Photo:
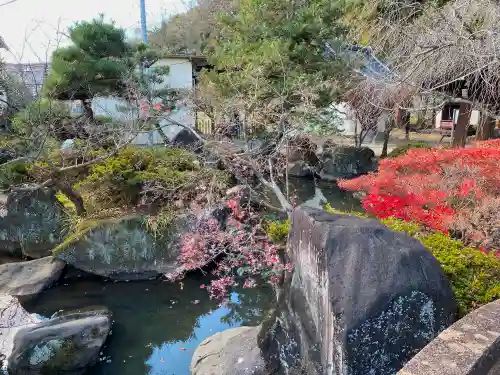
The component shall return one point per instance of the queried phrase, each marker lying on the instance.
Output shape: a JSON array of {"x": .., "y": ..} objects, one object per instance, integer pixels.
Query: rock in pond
[
  {"x": 231, "y": 352},
  {"x": 31, "y": 221},
  {"x": 29, "y": 278},
  {"x": 13, "y": 317},
  {"x": 126, "y": 249},
  {"x": 361, "y": 300},
  {"x": 67, "y": 344},
  {"x": 346, "y": 162}
]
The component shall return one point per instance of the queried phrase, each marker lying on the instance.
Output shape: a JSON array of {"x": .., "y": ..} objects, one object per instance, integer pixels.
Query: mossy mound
[{"x": 402, "y": 150}]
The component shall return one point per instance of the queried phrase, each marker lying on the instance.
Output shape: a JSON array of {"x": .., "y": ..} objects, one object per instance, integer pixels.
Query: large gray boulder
[
  {"x": 124, "y": 250},
  {"x": 231, "y": 352},
  {"x": 127, "y": 249},
  {"x": 67, "y": 344},
  {"x": 344, "y": 162},
  {"x": 27, "y": 279},
  {"x": 31, "y": 221},
  {"x": 361, "y": 300},
  {"x": 13, "y": 317}
]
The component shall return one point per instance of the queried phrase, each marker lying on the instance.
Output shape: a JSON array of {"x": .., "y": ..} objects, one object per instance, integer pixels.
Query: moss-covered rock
[
  {"x": 31, "y": 221},
  {"x": 129, "y": 248},
  {"x": 346, "y": 162},
  {"x": 66, "y": 344},
  {"x": 123, "y": 248}
]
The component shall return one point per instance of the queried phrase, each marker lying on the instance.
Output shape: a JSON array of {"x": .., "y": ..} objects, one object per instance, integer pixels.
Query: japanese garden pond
[{"x": 157, "y": 324}]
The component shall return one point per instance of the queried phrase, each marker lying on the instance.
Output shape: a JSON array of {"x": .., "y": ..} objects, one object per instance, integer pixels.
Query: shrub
[
  {"x": 242, "y": 249},
  {"x": 13, "y": 174},
  {"x": 435, "y": 188},
  {"x": 151, "y": 175},
  {"x": 474, "y": 275},
  {"x": 402, "y": 150},
  {"x": 277, "y": 230}
]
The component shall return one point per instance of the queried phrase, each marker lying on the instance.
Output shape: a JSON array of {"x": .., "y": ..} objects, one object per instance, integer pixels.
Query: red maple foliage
[
  {"x": 437, "y": 188},
  {"x": 242, "y": 251}
]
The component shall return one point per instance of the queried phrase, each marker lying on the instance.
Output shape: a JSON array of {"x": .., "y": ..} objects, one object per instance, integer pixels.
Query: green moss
[
  {"x": 78, "y": 234},
  {"x": 398, "y": 151},
  {"x": 159, "y": 223},
  {"x": 120, "y": 178},
  {"x": 81, "y": 227},
  {"x": 13, "y": 174},
  {"x": 65, "y": 201},
  {"x": 277, "y": 230},
  {"x": 402, "y": 226},
  {"x": 328, "y": 208}
]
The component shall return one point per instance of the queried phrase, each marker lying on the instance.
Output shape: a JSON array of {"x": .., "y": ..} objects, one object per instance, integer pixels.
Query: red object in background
[{"x": 446, "y": 124}]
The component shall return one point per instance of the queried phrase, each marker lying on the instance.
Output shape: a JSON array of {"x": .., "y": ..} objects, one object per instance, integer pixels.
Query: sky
[{"x": 34, "y": 28}]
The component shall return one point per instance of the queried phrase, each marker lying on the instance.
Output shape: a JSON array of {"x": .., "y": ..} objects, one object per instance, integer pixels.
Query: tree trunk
[
  {"x": 485, "y": 128},
  {"x": 387, "y": 133},
  {"x": 73, "y": 196},
  {"x": 87, "y": 109},
  {"x": 460, "y": 133}
]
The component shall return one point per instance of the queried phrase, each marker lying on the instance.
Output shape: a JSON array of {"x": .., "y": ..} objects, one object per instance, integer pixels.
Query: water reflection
[
  {"x": 315, "y": 193},
  {"x": 158, "y": 325}
]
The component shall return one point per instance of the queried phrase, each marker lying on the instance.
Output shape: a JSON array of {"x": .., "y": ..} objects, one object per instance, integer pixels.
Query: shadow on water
[{"x": 157, "y": 325}]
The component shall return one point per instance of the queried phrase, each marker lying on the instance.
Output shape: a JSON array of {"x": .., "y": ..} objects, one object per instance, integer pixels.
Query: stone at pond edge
[
  {"x": 31, "y": 221},
  {"x": 346, "y": 162},
  {"x": 13, "y": 317},
  {"x": 362, "y": 299},
  {"x": 231, "y": 352},
  {"x": 29, "y": 278},
  {"x": 67, "y": 344},
  {"x": 125, "y": 249}
]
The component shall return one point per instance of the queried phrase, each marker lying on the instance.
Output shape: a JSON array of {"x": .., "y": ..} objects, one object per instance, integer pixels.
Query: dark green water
[{"x": 158, "y": 325}]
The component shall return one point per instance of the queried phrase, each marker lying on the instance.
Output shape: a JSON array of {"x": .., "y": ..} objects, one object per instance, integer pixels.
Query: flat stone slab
[{"x": 29, "y": 278}]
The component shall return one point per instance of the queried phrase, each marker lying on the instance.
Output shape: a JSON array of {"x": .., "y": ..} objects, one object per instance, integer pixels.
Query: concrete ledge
[{"x": 471, "y": 346}]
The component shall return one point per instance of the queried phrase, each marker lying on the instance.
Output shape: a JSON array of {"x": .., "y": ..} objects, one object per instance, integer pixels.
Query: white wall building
[
  {"x": 181, "y": 77},
  {"x": 349, "y": 125},
  {"x": 448, "y": 116}
]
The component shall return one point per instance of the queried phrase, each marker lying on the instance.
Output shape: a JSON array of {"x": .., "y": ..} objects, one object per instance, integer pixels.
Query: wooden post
[{"x": 460, "y": 132}]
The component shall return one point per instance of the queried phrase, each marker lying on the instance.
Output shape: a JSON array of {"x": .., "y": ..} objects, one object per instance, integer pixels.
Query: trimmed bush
[
  {"x": 473, "y": 274},
  {"x": 13, "y": 174}
]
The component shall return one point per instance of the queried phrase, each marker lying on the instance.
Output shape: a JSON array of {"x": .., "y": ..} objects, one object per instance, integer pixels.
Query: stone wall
[{"x": 471, "y": 346}]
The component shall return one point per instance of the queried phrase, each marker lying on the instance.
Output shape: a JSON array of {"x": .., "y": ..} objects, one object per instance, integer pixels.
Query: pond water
[
  {"x": 157, "y": 324},
  {"x": 316, "y": 193}
]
